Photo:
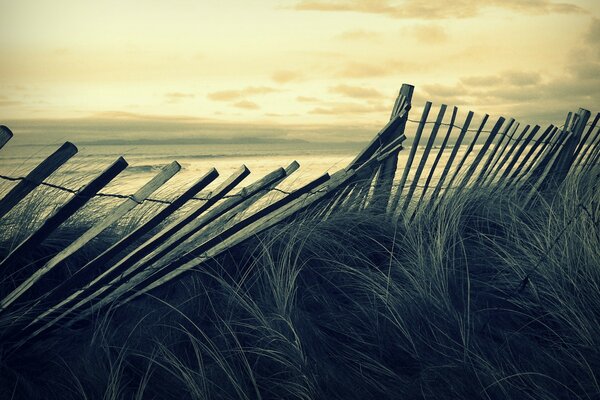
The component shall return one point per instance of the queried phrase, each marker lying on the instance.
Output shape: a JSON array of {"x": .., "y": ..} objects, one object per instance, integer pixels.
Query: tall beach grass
[{"x": 478, "y": 298}]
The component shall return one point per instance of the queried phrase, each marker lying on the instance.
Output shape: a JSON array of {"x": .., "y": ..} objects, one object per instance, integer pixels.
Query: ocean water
[{"x": 145, "y": 161}]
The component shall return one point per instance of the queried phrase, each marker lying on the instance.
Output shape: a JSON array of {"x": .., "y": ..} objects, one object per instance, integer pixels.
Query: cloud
[
  {"x": 285, "y": 76},
  {"x": 437, "y": 9},
  {"x": 343, "y": 108},
  {"x": 246, "y": 105},
  {"x": 118, "y": 125},
  {"x": 430, "y": 34},
  {"x": 358, "y": 34},
  {"x": 526, "y": 95},
  {"x": 511, "y": 78},
  {"x": 229, "y": 95},
  {"x": 307, "y": 99},
  {"x": 364, "y": 70},
  {"x": 6, "y": 102},
  {"x": 176, "y": 97},
  {"x": 356, "y": 92}
]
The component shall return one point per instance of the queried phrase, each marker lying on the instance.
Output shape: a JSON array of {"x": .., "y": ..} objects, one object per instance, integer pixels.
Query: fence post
[
  {"x": 387, "y": 170},
  {"x": 36, "y": 177}
]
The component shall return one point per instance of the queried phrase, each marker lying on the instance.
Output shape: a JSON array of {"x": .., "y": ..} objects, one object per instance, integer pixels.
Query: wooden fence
[{"x": 443, "y": 157}]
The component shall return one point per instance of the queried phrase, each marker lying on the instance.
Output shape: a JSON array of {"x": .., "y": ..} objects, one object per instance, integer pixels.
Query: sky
[{"x": 316, "y": 70}]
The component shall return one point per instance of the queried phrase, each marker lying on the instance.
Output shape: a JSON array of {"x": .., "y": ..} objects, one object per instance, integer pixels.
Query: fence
[{"x": 442, "y": 158}]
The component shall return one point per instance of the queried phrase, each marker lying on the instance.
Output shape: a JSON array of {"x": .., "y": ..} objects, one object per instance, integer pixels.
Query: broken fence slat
[
  {"x": 163, "y": 176},
  {"x": 387, "y": 170},
  {"x": 294, "y": 201},
  {"x": 63, "y": 213},
  {"x": 36, "y": 177},
  {"x": 110, "y": 271},
  {"x": 79, "y": 278}
]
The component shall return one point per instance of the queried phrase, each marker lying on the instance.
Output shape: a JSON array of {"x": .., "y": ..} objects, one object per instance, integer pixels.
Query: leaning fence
[{"x": 446, "y": 155}]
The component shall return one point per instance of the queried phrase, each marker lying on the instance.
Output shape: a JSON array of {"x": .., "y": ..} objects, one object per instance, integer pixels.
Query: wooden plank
[
  {"x": 587, "y": 154},
  {"x": 527, "y": 161},
  {"x": 511, "y": 149},
  {"x": 277, "y": 212},
  {"x": 545, "y": 155},
  {"x": 544, "y": 169},
  {"x": 461, "y": 163},
  {"x": 456, "y": 146},
  {"x": 424, "y": 157},
  {"x": 189, "y": 230},
  {"x": 163, "y": 176},
  {"x": 568, "y": 153},
  {"x": 389, "y": 131},
  {"x": 387, "y": 170},
  {"x": 537, "y": 171},
  {"x": 411, "y": 156},
  {"x": 5, "y": 135},
  {"x": 79, "y": 278},
  {"x": 296, "y": 200},
  {"x": 438, "y": 156},
  {"x": 112, "y": 270},
  {"x": 475, "y": 164},
  {"x": 503, "y": 181},
  {"x": 492, "y": 159},
  {"x": 84, "y": 288},
  {"x": 584, "y": 140},
  {"x": 62, "y": 214},
  {"x": 37, "y": 176}
]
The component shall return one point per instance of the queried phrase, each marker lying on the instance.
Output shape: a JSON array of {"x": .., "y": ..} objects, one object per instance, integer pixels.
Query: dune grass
[{"x": 478, "y": 299}]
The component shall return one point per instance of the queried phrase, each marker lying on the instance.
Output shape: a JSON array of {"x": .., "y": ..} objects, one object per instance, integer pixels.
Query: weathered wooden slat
[
  {"x": 593, "y": 144},
  {"x": 411, "y": 156},
  {"x": 387, "y": 170},
  {"x": 297, "y": 200},
  {"x": 69, "y": 295},
  {"x": 549, "y": 153},
  {"x": 63, "y": 213},
  {"x": 544, "y": 169},
  {"x": 461, "y": 163},
  {"x": 80, "y": 277},
  {"x": 5, "y": 135},
  {"x": 424, "y": 157},
  {"x": 455, "y": 147},
  {"x": 511, "y": 149},
  {"x": 163, "y": 176},
  {"x": 503, "y": 181},
  {"x": 568, "y": 153},
  {"x": 491, "y": 160},
  {"x": 37, "y": 176},
  {"x": 112, "y": 270},
  {"x": 476, "y": 162},
  {"x": 438, "y": 157},
  {"x": 522, "y": 168},
  {"x": 584, "y": 140},
  {"x": 546, "y": 153},
  {"x": 381, "y": 139},
  {"x": 183, "y": 234},
  {"x": 254, "y": 224}
]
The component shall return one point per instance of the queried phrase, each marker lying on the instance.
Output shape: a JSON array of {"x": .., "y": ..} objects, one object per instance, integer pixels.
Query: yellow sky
[{"x": 316, "y": 67}]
